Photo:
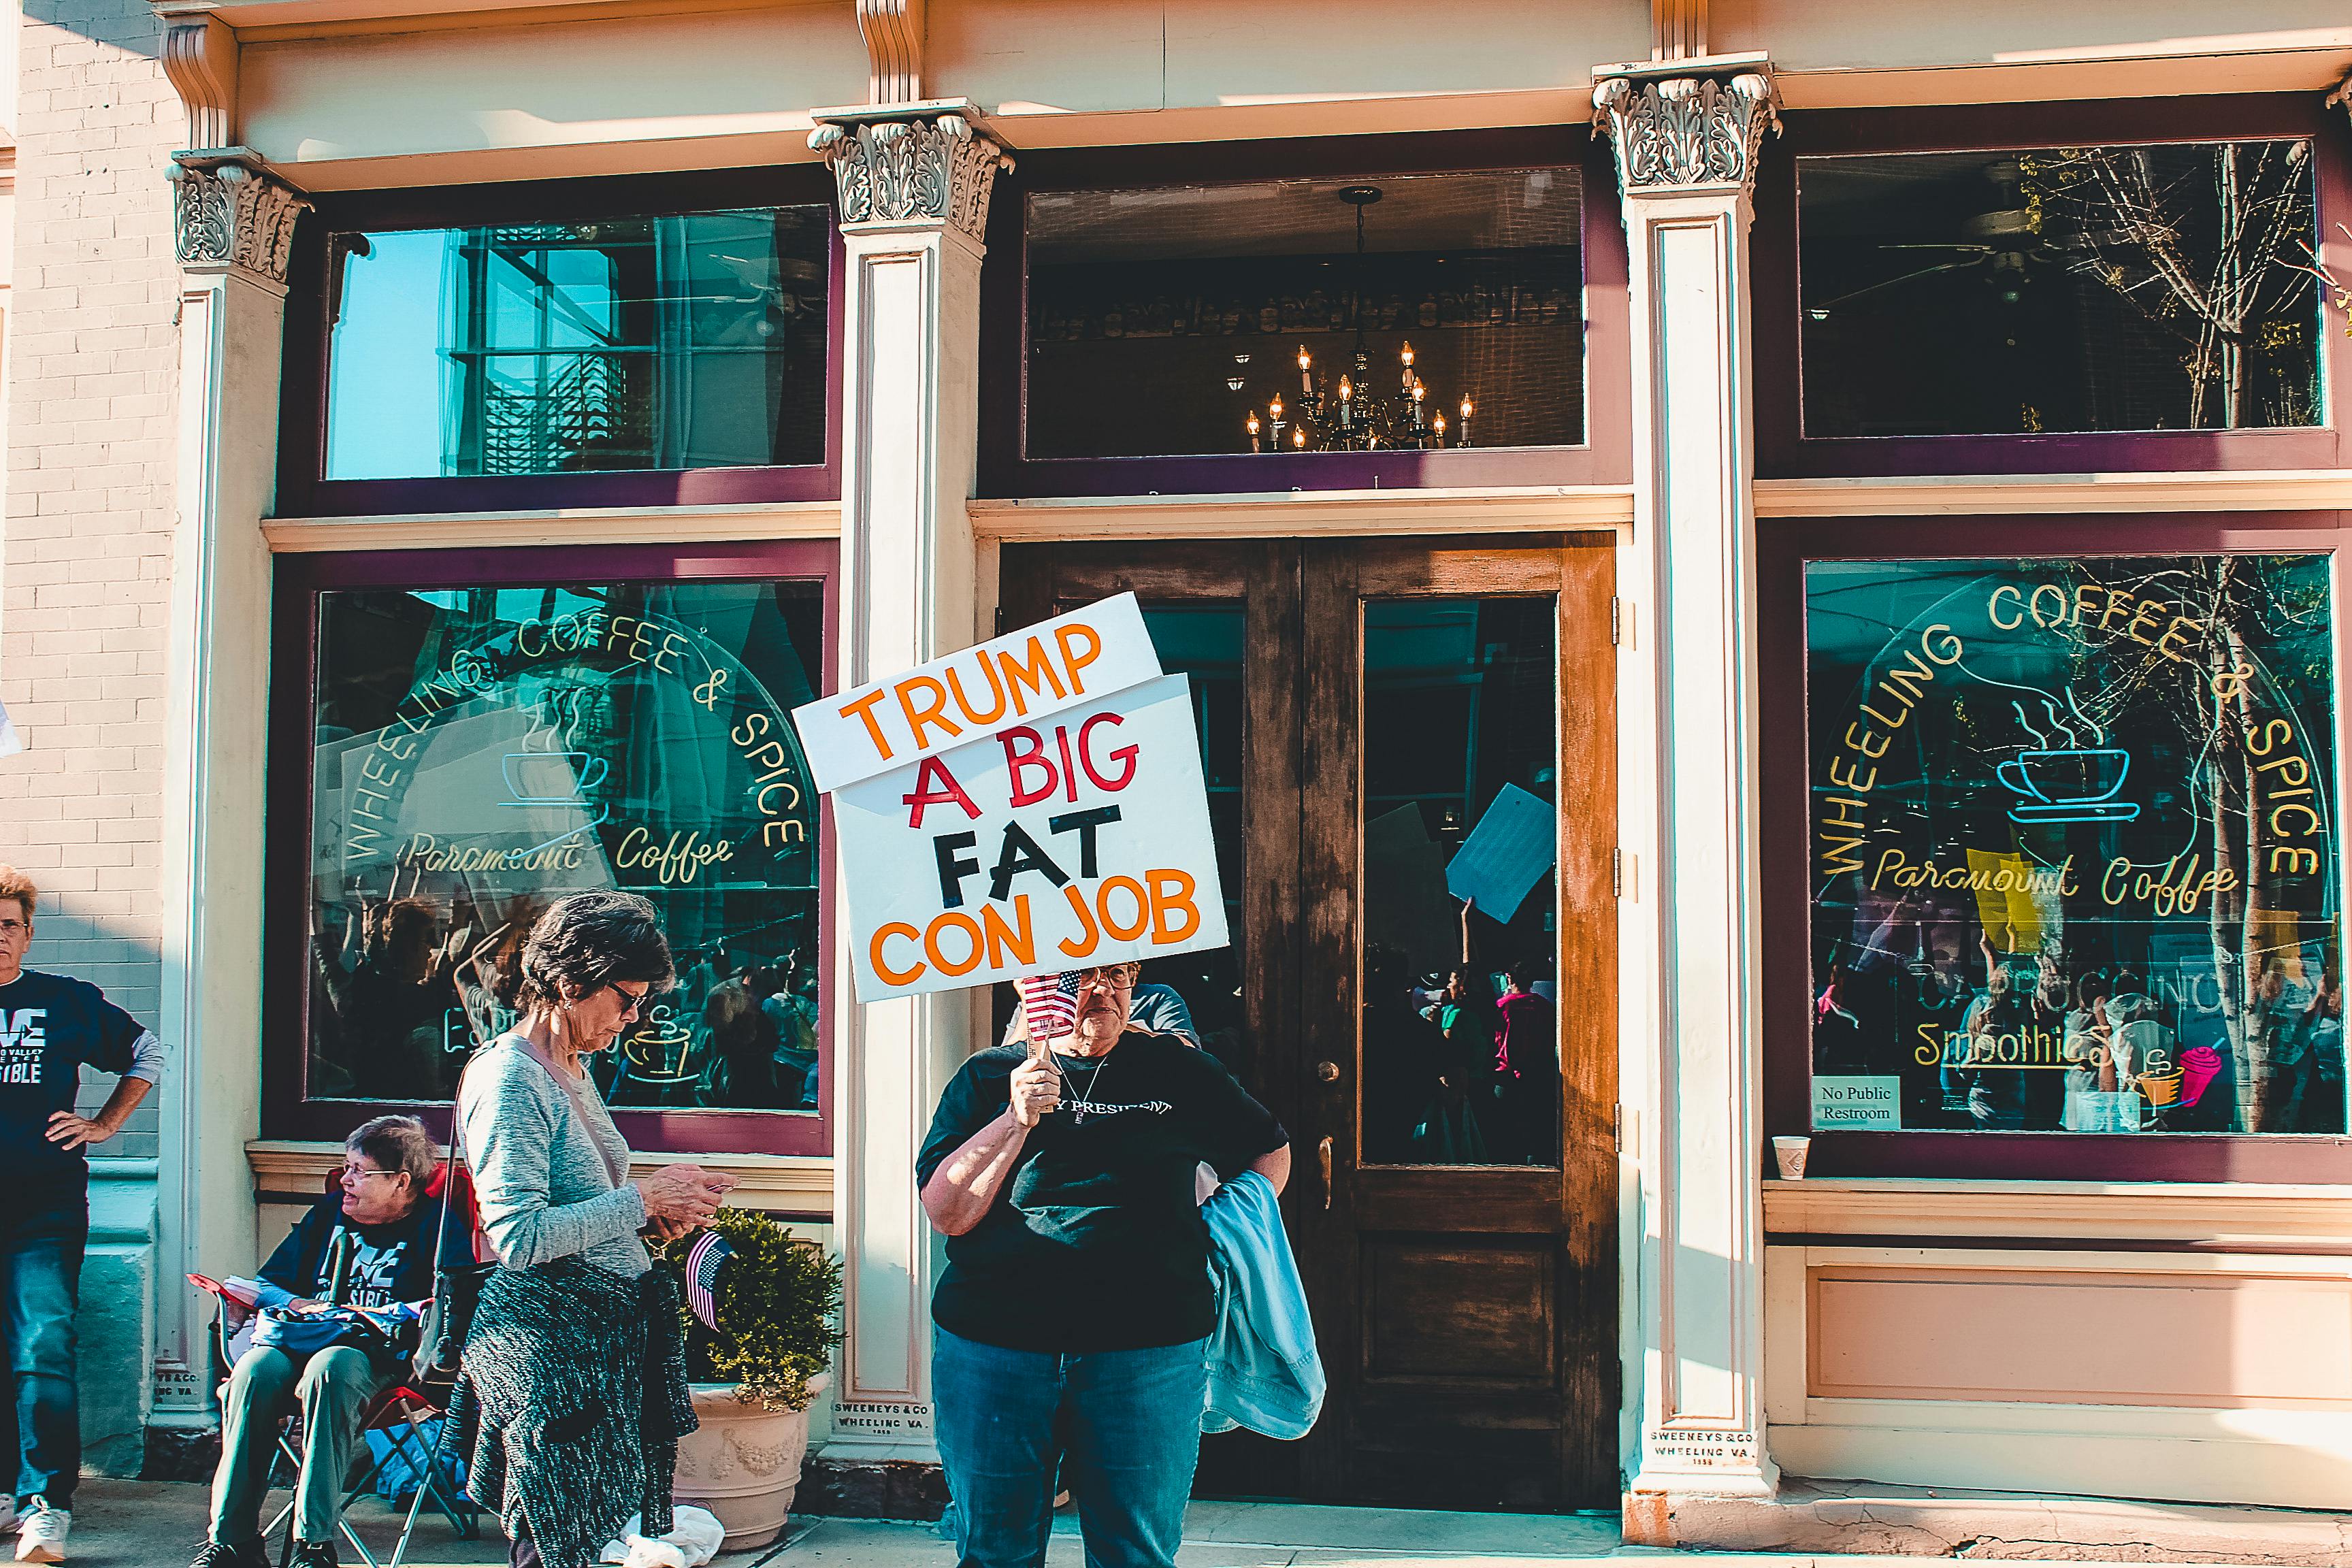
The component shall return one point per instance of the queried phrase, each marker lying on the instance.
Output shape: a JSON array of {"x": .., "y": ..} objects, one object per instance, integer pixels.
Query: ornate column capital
[
  {"x": 227, "y": 213},
  {"x": 910, "y": 162},
  {"x": 1683, "y": 125},
  {"x": 2342, "y": 96}
]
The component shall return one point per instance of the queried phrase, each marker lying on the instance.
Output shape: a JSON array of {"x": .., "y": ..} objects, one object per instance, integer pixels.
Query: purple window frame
[
  {"x": 1784, "y": 547},
  {"x": 1784, "y": 451},
  {"x": 1606, "y": 457},
  {"x": 303, "y": 489},
  {"x": 286, "y": 1110}
]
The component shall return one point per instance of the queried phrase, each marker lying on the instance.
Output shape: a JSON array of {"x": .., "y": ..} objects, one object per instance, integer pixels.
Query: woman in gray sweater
[{"x": 576, "y": 1329}]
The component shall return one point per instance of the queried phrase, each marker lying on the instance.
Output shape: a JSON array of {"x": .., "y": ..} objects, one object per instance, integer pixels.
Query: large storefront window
[
  {"x": 2074, "y": 846},
  {"x": 2082, "y": 289},
  {"x": 482, "y": 752},
  {"x": 1410, "y": 312},
  {"x": 690, "y": 341}
]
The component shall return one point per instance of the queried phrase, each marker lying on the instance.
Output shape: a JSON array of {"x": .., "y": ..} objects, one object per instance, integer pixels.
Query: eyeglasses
[
  {"x": 362, "y": 1173},
  {"x": 1114, "y": 976},
  {"x": 10, "y": 928},
  {"x": 636, "y": 1000}
]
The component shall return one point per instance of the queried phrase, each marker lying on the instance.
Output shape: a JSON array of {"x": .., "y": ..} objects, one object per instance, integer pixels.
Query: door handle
[{"x": 1323, "y": 1158}]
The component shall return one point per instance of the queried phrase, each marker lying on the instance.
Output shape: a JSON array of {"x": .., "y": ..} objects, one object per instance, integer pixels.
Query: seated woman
[{"x": 377, "y": 1233}]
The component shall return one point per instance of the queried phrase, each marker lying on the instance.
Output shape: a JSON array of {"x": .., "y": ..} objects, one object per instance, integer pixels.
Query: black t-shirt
[
  {"x": 393, "y": 1262},
  {"x": 50, "y": 1028},
  {"x": 1096, "y": 1243}
]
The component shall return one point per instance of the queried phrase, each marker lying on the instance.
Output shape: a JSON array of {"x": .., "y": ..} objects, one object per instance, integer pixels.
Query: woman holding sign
[{"x": 1076, "y": 1294}]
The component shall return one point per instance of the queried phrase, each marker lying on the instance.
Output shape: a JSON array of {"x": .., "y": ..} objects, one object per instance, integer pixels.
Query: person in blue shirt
[{"x": 51, "y": 1028}]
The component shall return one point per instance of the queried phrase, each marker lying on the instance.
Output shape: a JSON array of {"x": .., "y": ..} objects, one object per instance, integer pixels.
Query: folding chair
[{"x": 399, "y": 1412}]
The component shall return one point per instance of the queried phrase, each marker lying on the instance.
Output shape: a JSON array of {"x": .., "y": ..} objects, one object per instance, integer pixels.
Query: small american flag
[
  {"x": 708, "y": 1254},
  {"x": 1049, "y": 1005}
]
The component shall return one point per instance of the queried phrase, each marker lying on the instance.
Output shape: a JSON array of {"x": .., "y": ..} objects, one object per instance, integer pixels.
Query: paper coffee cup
[{"x": 1791, "y": 1154}]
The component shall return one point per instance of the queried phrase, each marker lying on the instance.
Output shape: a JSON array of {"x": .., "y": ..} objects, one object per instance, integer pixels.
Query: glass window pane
[
  {"x": 692, "y": 341},
  {"x": 1163, "y": 322},
  {"x": 1461, "y": 1026},
  {"x": 2122, "y": 288},
  {"x": 1205, "y": 642},
  {"x": 2074, "y": 846},
  {"x": 482, "y": 752}
]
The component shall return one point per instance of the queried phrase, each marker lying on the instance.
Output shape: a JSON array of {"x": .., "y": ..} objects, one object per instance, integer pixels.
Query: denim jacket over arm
[{"x": 1264, "y": 1371}]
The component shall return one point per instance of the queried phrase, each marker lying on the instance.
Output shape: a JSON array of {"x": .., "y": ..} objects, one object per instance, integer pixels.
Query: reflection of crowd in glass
[
  {"x": 405, "y": 987},
  {"x": 2108, "y": 1047},
  {"x": 752, "y": 1028},
  {"x": 1461, "y": 1069}
]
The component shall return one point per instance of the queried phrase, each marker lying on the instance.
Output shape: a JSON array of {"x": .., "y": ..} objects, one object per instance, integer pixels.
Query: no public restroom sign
[{"x": 1030, "y": 804}]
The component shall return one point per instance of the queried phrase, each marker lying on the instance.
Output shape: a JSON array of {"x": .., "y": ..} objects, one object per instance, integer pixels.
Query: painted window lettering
[
  {"x": 545, "y": 740},
  {"x": 2072, "y": 845}
]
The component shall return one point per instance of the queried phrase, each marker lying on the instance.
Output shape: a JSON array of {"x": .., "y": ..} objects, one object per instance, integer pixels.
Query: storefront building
[{"x": 1871, "y": 480}]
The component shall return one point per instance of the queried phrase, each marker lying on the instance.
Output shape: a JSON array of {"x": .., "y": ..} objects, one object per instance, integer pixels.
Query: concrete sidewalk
[{"x": 158, "y": 1524}]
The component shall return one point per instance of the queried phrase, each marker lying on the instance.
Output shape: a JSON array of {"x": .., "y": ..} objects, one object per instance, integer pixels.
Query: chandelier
[{"x": 1355, "y": 416}]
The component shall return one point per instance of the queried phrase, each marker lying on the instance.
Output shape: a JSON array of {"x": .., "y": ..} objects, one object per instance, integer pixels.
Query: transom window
[
  {"x": 2093, "y": 289},
  {"x": 695, "y": 340},
  {"x": 1411, "y": 312}
]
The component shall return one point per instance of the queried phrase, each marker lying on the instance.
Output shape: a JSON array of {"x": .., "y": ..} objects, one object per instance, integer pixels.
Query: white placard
[
  {"x": 1021, "y": 678},
  {"x": 1857, "y": 1104},
  {"x": 1078, "y": 840}
]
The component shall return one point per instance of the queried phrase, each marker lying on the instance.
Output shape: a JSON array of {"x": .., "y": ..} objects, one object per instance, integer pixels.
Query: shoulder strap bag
[{"x": 457, "y": 1288}]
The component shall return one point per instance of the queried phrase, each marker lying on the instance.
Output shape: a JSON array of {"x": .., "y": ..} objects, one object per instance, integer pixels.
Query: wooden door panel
[
  {"x": 1461, "y": 1199},
  {"x": 1463, "y": 1466},
  {"x": 1443, "y": 1306}
]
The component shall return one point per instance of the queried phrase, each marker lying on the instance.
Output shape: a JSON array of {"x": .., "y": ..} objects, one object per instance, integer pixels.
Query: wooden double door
[{"x": 1449, "y": 1079}]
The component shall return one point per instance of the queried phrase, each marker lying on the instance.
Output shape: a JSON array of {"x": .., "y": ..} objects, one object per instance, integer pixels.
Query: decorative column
[
  {"x": 1687, "y": 132},
  {"x": 235, "y": 226},
  {"x": 914, "y": 181}
]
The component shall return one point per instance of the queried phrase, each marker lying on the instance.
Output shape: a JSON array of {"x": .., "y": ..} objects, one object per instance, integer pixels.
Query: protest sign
[
  {"x": 1078, "y": 839},
  {"x": 1514, "y": 844},
  {"x": 1020, "y": 677}
]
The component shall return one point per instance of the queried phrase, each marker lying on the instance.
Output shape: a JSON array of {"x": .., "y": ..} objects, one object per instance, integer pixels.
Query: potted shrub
[{"x": 778, "y": 1303}]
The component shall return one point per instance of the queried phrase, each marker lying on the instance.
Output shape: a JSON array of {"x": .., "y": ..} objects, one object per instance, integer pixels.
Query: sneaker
[
  {"x": 41, "y": 1537},
  {"x": 220, "y": 1554},
  {"x": 316, "y": 1555},
  {"x": 7, "y": 1513}
]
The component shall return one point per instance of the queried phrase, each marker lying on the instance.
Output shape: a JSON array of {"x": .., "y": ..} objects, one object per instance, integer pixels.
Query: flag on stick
[
  {"x": 704, "y": 1260},
  {"x": 1049, "y": 1005}
]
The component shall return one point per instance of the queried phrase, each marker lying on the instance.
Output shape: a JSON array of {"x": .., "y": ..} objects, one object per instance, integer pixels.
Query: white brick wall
[{"x": 85, "y": 560}]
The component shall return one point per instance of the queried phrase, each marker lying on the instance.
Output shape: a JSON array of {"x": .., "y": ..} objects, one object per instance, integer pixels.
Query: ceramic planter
[{"x": 744, "y": 1464}]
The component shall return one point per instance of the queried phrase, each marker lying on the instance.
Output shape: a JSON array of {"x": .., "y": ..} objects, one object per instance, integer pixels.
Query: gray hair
[
  {"x": 399, "y": 1144},
  {"x": 583, "y": 943}
]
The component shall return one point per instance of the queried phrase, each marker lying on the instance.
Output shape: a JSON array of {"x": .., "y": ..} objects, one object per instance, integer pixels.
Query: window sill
[
  {"x": 796, "y": 1185},
  {"x": 2215, "y": 1214}
]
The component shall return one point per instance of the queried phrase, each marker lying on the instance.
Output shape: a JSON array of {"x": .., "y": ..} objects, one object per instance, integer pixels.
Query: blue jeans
[
  {"x": 41, "y": 1242},
  {"x": 1130, "y": 1421}
]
